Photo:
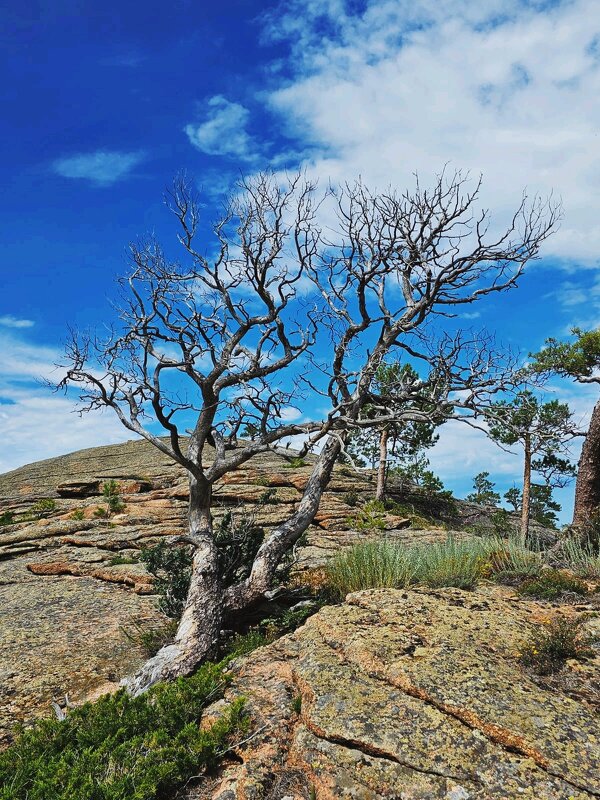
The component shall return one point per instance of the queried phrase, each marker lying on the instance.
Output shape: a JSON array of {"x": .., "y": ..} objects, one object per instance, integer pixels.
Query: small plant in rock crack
[
  {"x": 44, "y": 506},
  {"x": 550, "y": 646},
  {"x": 297, "y": 704},
  {"x": 7, "y": 518},
  {"x": 111, "y": 492}
]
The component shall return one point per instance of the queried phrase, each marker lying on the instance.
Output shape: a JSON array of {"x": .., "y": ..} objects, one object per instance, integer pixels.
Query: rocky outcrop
[
  {"x": 70, "y": 588},
  {"x": 413, "y": 695}
]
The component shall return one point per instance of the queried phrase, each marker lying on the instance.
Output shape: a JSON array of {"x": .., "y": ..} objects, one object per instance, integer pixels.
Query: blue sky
[{"x": 103, "y": 103}]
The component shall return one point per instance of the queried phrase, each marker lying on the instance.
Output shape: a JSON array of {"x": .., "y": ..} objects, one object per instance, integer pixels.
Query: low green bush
[
  {"x": 7, "y": 518},
  {"x": 551, "y": 584},
  {"x": 123, "y": 748},
  {"x": 551, "y": 645},
  {"x": 77, "y": 514},
  {"x": 351, "y": 498},
  {"x": 171, "y": 567},
  {"x": 370, "y": 517}
]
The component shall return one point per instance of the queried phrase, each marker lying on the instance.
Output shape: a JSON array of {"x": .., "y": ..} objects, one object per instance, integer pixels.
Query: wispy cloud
[
  {"x": 36, "y": 423},
  {"x": 502, "y": 87},
  {"x": 101, "y": 167},
  {"x": 8, "y": 321},
  {"x": 223, "y": 132}
]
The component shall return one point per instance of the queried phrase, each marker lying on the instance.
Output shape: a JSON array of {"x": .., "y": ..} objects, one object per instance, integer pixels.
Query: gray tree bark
[
  {"x": 525, "y": 510},
  {"x": 382, "y": 468}
]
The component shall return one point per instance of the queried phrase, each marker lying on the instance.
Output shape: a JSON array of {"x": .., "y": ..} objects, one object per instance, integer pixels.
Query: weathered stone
[
  {"x": 78, "y": 489},
  {"x": 413, "y": 695}
]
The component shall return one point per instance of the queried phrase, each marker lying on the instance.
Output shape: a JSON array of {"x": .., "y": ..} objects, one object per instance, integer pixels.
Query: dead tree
[{"x": 280, "y": 294}]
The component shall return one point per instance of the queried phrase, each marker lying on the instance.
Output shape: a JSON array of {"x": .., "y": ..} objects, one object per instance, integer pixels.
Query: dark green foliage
[
  {"x": 578, "y": 359},
  {"x": 238, "y": 538},
  {"x": 351, "y": 498},
  {"x": 551, "y": 584},
  {"x": 172, "y": 569},
  {"x": 543, "y": 508},
  {"x": 119, "y": 559},
  {"x": 549, "y": 647},
  {"x": 406, "y": 440},
  {"x": 268, "y": 497},
  {"x": 122, "y": 748},
  {"x": 297, "y": 704},
  {"x": 78, "y": 514},
  {"x": 483, "y": 493},
  {"x": 7, "y": 518}
]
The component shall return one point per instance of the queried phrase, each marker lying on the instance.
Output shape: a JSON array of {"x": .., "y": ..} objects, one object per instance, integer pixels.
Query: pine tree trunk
[
  {"x": 382, "y": 469},
  {"x": 526, "y": 490},
  {"x": 587, "y": 488},
  {"x": 198, "y": 632}
]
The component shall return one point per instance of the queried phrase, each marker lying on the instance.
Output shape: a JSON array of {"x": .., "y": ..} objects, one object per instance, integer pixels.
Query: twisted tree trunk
[
  {"x": 197, "y": 636},
  {"x": 587, "y": 488}
]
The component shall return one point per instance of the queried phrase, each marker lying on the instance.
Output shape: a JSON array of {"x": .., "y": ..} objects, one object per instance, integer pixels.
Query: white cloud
[
  {"x": 36, "y": 423},
  {"x": 499, "y": 87},
  {"x": 8, "y": 321},
  {"x": 101, "y": 168},
  {"x": 223, "y": 131}
]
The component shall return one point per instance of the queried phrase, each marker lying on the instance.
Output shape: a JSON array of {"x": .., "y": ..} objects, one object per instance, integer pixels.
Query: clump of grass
[
  {"x": 581, "y": 557},
  {"x": 510, "y": 560},
  {"x": 7, "y": 518},
  {"x": 120, "y": 559},
  {"x": 460, "y": 563},
  {"x": 550, "y": 646},
  {"x": 123, "y": 748},
  {"x": 77, "y": 514},
  {"x": 295, "y": 463},
  {"x": 450, "y": 563},
  {"x": 151, "y": 641},
  {"x": 551, "y": 584},
  {"x": 297, "y": 704},
  {"x": 370, "y": 565}
]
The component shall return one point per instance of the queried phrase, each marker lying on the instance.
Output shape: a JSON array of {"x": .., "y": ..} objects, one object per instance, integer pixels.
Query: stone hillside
[{"x": 69, "y": 610}]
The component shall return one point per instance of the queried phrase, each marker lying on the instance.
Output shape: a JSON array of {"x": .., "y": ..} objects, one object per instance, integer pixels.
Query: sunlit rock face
[{"x": 413, "y": 695}]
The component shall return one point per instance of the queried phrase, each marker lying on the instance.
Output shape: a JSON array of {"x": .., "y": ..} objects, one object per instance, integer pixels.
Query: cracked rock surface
[{"x": 413, "y": 695}]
